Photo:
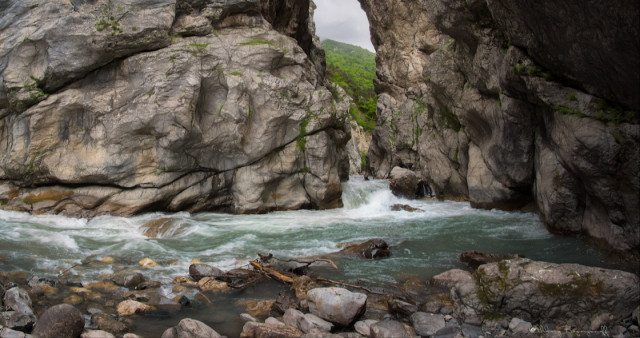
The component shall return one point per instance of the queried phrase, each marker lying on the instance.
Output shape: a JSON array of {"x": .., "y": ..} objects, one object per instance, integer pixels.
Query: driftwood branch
[
  {"x": 63, "y": 272},
  {"x": 333, "y": 265},
  {"x": 272, "y": 273},
  {"x": 328, "y": 281}
]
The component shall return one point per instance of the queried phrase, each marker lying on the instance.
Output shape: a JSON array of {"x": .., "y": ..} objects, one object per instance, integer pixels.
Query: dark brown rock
[
  {"x": 198, "y": 271},
  {"x": 372, "y": 249},
  {"x": 107, "y": 323},
  {"x": 404, "y": 182},
  {"x": 405, "y": 207},
  {"x": 474, "y": 258},
  {"x": 62, "y": 320}
]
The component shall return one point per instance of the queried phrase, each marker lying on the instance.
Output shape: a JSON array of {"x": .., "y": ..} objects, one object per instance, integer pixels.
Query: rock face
[
  {"x": 106, "y": 107},
  {"x": 568, "y": 294},
  {"x": 504, "y": 103}
]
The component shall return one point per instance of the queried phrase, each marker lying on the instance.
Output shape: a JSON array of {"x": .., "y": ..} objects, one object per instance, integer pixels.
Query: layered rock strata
[
  {"x": 510, "y": 103},
  {"x": 116, "y": 107}
]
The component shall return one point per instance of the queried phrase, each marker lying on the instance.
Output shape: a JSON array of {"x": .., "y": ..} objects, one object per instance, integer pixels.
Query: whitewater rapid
[{"x": 423, "y": 243}]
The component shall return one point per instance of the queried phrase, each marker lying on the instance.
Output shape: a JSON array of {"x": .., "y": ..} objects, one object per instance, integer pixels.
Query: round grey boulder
[
  {"x": 337, "y": 305},
  {"x": 61, "y": 320}
]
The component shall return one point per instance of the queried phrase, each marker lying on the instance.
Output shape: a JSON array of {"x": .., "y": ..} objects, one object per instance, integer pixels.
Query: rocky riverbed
[{"x": 270, "y": 297}]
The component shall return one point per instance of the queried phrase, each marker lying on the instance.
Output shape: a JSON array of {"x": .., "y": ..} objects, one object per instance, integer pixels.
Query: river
[{"x": 423, "y": 243}]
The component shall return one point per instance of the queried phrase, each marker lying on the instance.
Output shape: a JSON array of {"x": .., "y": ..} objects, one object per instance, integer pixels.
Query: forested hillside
[{"x": 353, "y": 68}]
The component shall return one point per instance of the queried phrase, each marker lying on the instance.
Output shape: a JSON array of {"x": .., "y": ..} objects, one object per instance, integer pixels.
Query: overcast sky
[{"x": 344, "y": 21}]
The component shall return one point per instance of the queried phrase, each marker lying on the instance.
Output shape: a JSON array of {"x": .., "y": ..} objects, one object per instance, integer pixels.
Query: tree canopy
[{"x": 354, "y": 68}]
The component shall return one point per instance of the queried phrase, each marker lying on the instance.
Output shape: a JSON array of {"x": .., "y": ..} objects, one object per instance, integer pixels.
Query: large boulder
[
  {"x": 403, "y": 182},
  {"x": 62, "y": 320},
  {"x": 102, "y": 112},
  {"x": 337, "y": 305},
  {"x": 568, "y": 294},
  {"x": 474, "y": 258}
]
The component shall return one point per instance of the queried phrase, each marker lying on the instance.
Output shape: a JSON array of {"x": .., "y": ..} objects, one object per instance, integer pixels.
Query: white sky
[{"x": 344, "y": 21}]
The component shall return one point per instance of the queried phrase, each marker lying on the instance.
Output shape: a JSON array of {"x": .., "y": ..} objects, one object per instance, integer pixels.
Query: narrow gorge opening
[{"x": 343, "y": 28}]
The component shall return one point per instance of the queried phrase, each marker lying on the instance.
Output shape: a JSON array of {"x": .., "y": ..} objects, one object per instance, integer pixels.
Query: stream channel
[{"x": 423, "y": 243}]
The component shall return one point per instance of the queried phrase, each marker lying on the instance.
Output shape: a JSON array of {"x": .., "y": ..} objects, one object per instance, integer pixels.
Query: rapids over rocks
[{"x": 423, "y": 243}]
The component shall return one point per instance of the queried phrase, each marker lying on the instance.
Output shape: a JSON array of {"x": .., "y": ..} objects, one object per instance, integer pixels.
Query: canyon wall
[
  {"x": 514, "y": 104},
  {"x": 122, "y": 107}
]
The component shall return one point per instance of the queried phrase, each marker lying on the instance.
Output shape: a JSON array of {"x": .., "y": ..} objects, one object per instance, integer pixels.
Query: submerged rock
[
  {"x": 62, "y": 320},
  {"x": 337, "y": 305},
  {"x": 567, "y": 294},
  {"x": 256, "y": 307},
  {"x": 131, "y": 307},
  {"x": 405, "y": 207},
  {"x": 372, "y": 249},
  {"x": 210, "y": 284},
  {"x": 105, "y": 322}
]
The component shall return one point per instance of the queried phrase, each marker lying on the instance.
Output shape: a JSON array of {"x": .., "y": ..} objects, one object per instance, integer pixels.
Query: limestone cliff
[
  {"x": 506, "y": 103},
  {"x": 121, "y": 107}
]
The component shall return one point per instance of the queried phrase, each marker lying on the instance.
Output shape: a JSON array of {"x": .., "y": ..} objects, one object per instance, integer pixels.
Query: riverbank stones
[{"x": 337, "y": 305}]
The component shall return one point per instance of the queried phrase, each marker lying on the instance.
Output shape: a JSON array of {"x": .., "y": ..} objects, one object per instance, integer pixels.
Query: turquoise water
[{"x": 423, "y": 243}]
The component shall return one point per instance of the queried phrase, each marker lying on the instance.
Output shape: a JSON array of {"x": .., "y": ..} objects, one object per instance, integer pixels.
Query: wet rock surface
[
  {"x": 143, "y": 110},
  {"x": 371, "y": 249},
  {"x": 495, "y": 103},
  {"x": 560, "y": 299}
]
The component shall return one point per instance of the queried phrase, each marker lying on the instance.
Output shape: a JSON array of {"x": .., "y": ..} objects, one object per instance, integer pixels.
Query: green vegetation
[
  {"x": 301, "y": 140},
  {"x": 353, "y": 69},
  {"x": 363, "y": 160},
  {"x": 568, "y": 111},
  {"x": 236, "y": 73},
  {"x": 579, "y": 287},
  {"x": 107, "y": 20},
  {"x": 257, "y": 42},
  {"x": 609, "y": 112},
  {"x": 572, "y": 97}
]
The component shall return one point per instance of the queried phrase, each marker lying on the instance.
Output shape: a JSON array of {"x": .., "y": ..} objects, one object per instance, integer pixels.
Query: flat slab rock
[{"x": 567, "y": 294}]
